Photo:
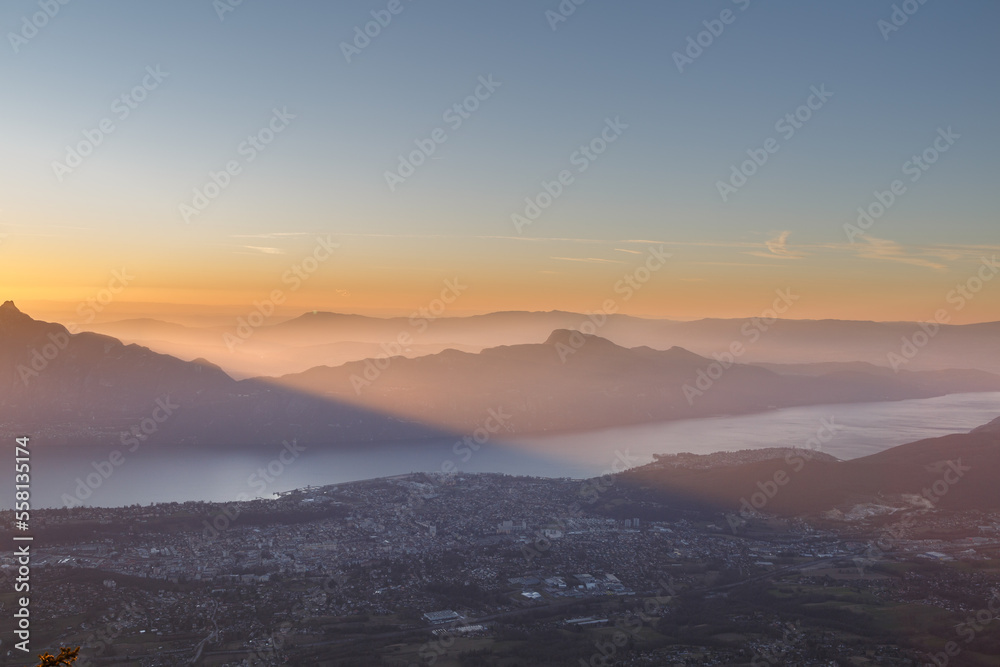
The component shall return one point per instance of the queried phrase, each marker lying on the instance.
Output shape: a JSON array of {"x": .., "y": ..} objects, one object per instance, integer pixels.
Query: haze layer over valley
[
  {"x": 81, "y": 385},
  {"x": 331, "y": 339}
]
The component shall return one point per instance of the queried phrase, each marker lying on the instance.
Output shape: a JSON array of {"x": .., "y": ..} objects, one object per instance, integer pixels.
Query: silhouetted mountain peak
[
  {"x": 10, "y": 314},
  {"x": 577, "y": 339},
  {"x": 683, "y": 353}
]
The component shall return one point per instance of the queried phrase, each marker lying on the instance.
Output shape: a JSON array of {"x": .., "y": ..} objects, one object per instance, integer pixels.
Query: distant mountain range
[
  {"x": 278, "y": 349},
  {"x": 330, "y": 339},
  {"x": 91, "y": 386},
  {"x": 954, "y": 472},
  {"x": 577, "y": 382}
]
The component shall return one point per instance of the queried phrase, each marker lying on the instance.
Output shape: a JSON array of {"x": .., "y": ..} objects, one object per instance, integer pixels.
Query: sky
[{"x": 195, "y": 158}]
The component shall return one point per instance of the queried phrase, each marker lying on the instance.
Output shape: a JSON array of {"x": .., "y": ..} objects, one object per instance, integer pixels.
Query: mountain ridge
[
  {"x": 953, "y": 472},
  {"x": 309, "y": 340},
  {"x": 571, "y": 381}
]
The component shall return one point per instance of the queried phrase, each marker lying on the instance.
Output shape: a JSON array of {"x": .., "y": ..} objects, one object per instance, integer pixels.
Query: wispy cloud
[
  {"x": 265, "y": 250},
  {"x": 779, "y": 245},
  {"x": 564, "y": 239},
  {"x": 45, "y": 226},
  {"x": 589, "y": 259},
  {"x": 269, "y": 235},
  {"x": 43, "y": 230},
  {"x": 886, "y": 250},
  {"x": 754, "y": 265},
  {"x": 644, "y": 241},
  {"x": 475, "y": 237},
  {"x": 777, "y": 248}
]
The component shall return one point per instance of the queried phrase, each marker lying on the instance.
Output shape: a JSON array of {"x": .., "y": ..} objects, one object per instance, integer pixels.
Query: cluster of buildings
[{"x": 414, "y": 552}]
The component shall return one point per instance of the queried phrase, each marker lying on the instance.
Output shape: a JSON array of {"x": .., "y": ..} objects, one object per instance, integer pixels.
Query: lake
[{"x": 144, "y": 476}]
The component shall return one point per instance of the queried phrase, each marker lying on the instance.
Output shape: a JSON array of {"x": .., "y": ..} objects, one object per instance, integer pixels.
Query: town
[{"x": 425, "y": 568}]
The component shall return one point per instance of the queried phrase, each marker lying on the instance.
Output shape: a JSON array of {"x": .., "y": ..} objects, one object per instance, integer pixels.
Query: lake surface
[{"x": 61, "y": 476}]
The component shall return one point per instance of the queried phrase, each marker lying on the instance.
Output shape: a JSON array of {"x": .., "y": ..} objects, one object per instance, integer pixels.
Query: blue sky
[{"x": 326, "y": 172}]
